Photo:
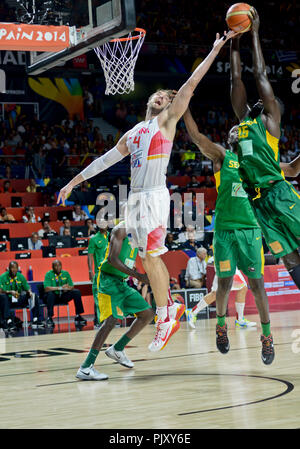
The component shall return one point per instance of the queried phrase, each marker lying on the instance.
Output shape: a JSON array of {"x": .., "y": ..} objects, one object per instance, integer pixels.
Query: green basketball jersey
[
  {"x": 233, "y": 210},
  {"x": 127, "y": 256},
  {"x": 97, "y": 246},
  {"x": 258, "y": 153}
]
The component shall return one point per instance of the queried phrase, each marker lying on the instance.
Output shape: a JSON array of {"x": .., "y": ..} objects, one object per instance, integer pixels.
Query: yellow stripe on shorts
[
  {"x": 262, "y": 260},
  {"x": 104, "y": 303}
]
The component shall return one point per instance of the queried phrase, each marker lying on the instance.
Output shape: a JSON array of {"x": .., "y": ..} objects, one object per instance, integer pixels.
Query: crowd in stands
[
  {"x": 173, "y": 21},
  {"x": 181, "y": 22},
  {"x": 64, "y": 148},
  {"x": 50, "y": 149}
]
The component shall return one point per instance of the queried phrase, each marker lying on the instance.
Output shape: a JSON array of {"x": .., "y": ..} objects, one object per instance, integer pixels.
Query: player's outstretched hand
[
  {"x": 254, "y": 19},
  {"x": 220, "y": 41},
  {"x": 63, "y": 194}
]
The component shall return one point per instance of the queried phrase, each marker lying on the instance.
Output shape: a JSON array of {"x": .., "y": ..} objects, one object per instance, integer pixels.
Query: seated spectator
[
  {"x": 196, "y": 269},
  {"x": 7, "y": 188},
  {"x": 34, "y": 242},
  {"x": 67, "y": 232},
  {"x": 191, "y": 243},
  {"x": 39, "y": 162},
  {"x": 29, "y": 216},
  {"x": 66, "y": 225},
  {"x": 78, "y": 214},
  {"x": 194, "y": 183},
  {"x": 31, "y": 188},
  {"x": 8, "y": 174},
  {"x": 207, "y": 182},
  {"x": 14, "y": 294},
  {"x": 59, "y": 288},
  {"x": 46, "y": 230},
  {"x": 4, "y": 216},
  {"x": 170, "y": 244},
  {"x": 174, "y": 285},
  {"x": 92, "y": 229},
  {"x": 85, "y": 186},
  {"x": 190, "y": 233}
]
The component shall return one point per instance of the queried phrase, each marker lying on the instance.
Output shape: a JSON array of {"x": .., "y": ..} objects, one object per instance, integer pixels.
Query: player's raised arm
[
  {"x": 237, "y": 87},
  {"x": 271, "y": 106},
  {"x": 210, "y": 149},
  {"x": 99, "y": 165},
  {"x": 183, "y": 96},
  {"x": 292, "y": 169},
  {"x": 116, "y": 241}
]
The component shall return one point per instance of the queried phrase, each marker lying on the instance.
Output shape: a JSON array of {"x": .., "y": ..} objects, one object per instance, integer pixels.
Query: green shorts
[
  {"x": 240, "y": 248},
  {"x": 116, "y": 298},
  {"x": 278, "y": 214}
]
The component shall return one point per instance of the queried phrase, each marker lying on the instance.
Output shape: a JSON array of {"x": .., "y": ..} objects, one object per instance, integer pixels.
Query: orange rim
[{"x": 131, "y": 38}]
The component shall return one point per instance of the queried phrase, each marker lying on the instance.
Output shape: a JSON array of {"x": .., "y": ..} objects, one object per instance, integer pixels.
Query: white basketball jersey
[{"x": 150, "y": 154}]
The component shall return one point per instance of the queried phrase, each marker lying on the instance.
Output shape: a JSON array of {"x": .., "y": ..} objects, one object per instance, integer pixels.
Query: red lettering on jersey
[
  {"x": 144, "y": 131},
  {"x": 137, "y": 141}
]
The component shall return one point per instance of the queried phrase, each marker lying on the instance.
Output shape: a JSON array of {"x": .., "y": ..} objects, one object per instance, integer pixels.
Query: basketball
[{"x": 238, "y": 18}]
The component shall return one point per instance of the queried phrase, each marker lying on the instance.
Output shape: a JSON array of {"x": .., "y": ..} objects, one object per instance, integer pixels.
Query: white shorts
[
  {"x": 239, "y": 282},
  {"x": 146, "y": 220}
]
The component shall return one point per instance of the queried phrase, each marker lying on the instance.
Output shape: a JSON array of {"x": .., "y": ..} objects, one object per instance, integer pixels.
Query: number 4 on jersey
[{"x": 137, "y": 141}]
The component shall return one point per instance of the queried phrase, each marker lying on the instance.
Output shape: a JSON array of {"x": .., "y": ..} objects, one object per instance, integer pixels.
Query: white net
[{"x": 118, "y": 58}]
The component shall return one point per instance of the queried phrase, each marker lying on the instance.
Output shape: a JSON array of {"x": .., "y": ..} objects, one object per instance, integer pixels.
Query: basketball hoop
[{"x": 118, "y": 58}]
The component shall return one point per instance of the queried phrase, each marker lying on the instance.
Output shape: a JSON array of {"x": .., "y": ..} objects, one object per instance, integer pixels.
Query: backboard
[{"x": 91, "y": 22}]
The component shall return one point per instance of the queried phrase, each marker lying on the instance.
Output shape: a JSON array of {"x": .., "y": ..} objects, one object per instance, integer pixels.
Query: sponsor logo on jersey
[
  {"x": 238, "y": 191},
  {"x": 136, "y": 159}
]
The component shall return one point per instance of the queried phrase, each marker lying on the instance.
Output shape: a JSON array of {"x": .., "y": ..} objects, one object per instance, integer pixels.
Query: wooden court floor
[{"x": 187, "y": 385}]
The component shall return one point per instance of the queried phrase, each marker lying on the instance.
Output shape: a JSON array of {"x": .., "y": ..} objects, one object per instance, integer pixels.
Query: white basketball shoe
[
  {"x": 164, "y": 331},
  {"x": 119, "y": 356},
  {"x": 90, "y": 373}
]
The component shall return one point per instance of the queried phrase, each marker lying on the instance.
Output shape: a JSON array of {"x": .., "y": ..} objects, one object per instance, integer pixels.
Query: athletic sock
[
  {"x": 295, "y": 274},
  {"x": 162, "y": 313},
  {"x": 240, "y": 306},
  {"x": 221, "y": 320},
  {"x": 266, "y": 329},
  {"x": 91, "y": 357},
  {"x": 120, "y": 345},
  {"x": 170, "y": 300},
  {"x": 200, "y": 306}
]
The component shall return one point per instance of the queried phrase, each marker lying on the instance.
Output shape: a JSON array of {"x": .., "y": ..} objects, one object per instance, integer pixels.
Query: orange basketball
[{"x": 238, "y": 18}]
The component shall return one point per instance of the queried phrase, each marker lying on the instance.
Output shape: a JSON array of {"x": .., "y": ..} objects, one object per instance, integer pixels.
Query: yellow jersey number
[{"x": 243, "y": 132}]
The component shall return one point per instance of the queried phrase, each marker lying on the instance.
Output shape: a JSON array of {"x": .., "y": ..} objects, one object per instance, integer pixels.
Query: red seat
[
  {"x": 179, "y": 180},
  {"x": 26, "y": 229},
  {"x": 28, "y": 199},
  {"x": 67, "y": 252},
  {"x": 76, "y": 266},
  {"x": 35, "y": 254},
  {"x": 18, "y": 212}
]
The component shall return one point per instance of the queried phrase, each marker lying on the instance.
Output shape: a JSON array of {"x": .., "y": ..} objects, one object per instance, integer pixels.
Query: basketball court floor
[{"x": 188, "y": 385}]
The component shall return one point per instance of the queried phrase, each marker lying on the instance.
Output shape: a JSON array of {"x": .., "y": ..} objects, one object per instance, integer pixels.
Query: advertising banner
[{"x": 33, "y": 37}]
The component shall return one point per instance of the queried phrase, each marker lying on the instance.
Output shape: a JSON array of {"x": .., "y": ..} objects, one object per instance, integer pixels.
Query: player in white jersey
[
  {"x": 240, "y": 286},
  {"x": 149, "y": 145}
]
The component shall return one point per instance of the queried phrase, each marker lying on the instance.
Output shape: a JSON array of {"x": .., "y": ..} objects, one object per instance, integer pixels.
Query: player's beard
[{"x": 155, "y": 111}]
